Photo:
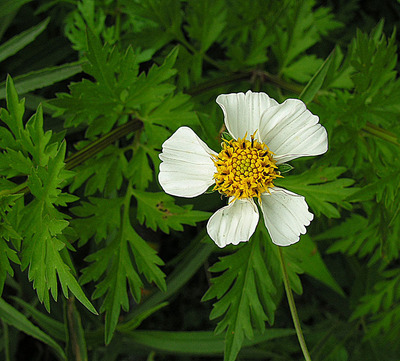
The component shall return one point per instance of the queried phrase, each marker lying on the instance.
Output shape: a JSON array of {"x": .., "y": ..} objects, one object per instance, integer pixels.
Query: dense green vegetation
[{"x": 98, "y": 263}]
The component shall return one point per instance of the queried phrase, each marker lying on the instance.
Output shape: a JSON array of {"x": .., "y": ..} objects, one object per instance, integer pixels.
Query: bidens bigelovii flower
[{"x": 265, "y": 134}]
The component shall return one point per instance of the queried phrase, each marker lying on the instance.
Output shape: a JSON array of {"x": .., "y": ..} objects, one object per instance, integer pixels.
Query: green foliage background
[{"x": 97, "y": 263}]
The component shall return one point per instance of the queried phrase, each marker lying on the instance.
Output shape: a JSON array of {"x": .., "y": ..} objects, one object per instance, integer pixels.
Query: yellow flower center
[{"x": 245, "y": 168}]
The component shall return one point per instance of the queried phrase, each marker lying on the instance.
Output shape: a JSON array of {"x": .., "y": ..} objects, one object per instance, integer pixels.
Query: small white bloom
[{"x": 265, "y": 134}]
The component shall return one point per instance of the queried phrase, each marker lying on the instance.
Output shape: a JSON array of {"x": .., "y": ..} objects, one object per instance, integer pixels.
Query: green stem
[
  {"x": 6, "y": 341},
  {"x": 219, "y": 82},
  {"x": 100, "y": 144},
  {"x": 381, "y": 133},
  {"x": 293, "y": 309}
]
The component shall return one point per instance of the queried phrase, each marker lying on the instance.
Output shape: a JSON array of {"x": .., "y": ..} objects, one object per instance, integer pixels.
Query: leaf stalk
[{"x": 293, "y": 309}]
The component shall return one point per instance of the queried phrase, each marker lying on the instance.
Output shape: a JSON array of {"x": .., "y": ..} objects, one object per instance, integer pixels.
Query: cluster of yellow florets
[{"x": 245, "y": 168}]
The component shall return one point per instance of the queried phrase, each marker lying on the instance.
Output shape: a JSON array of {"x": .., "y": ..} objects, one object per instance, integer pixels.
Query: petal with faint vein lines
[
  {"x": 242, "y": 112},
  {"x": 291, "y": 131},
  {"x": 187, "y": 168},
  {"x": 285, "y": 215},
  {"x": 233, "y": 223}
]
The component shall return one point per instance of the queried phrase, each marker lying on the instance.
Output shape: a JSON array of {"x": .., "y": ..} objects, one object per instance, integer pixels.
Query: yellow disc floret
[{"x": 245, "y": 168}]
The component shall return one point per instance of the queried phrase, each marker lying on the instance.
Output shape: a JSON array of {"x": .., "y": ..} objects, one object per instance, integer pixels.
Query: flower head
[{"x": 265, "y": 134}]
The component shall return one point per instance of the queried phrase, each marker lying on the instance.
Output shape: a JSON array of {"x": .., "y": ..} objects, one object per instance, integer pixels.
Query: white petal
[
  {"x": 186, "y": 169},
  {"x": 243, "y": 112},
  {"x": 285, "y": 215},
  {"x": 233, "y": 223},
  {"x": 290, "y": 131}
]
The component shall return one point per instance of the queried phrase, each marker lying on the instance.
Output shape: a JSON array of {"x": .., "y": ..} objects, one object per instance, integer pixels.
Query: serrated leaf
[
  {"x": 305, "y": 254},
  {"x": 98, "y": 218},
  {"x": 300, "y": 27},
  {"x": 159, "y": 210},
  {"x": 174, "y": 111},
  {"x": 116, "y": 264},
  {"x": 167, "y": 14},
  {"x": 13, "y": 163},
  {"x": 16, "y": 108},
  {"x": 322, "y": 187},
  {"x": 153, "y": 86},
  {"x": 146, "y": 259},
  {"x": 201, "y": 26},
  {"x": 42, "y": 226},
  {"x": 114, "y": 261},
  {"x": 98, "y": 65},
  {"x": 244, "y": 293},
  {"x": 38, "y": 147},
  {"x": 103, "y": 173},
  {"x": 303, "y": 70},
  {"x": 6, "y": 255},
  {"x": 138, "y": 170}
]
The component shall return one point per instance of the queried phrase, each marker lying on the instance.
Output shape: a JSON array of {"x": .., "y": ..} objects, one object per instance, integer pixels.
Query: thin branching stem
[
  {"x": 293, "y": 309},
  {"x": 100, "y": 144}
]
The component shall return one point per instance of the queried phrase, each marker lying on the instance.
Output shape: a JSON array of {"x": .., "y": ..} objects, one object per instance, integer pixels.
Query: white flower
[{"x": 265, "y": 134}]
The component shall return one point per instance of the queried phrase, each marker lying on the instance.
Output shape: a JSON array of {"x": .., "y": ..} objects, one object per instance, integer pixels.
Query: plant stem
[
  {"x": 100, "y": 144},
  {"x": 381, "y": 133},
  {"x": 6, "y": 341},
  {"x": 293, "y": 309}
]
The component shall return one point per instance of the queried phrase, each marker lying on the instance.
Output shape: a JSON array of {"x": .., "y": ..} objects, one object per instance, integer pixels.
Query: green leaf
[
  {"x": 16, "y": 319},
  {"x": 42, "y": 78},
  {"x": 202, "y": 27},
  {"x": 380, "y": 305},
  {"x": 16, "y": 108},
  {"x": 98, "y": 218},
  {"x": 315, "y": 84},
  {"x": 192, "y": 259},
  {"x": 19, "y": 41},
  {"x": 299, "y": 28},
  {"x": 302, "y": 70},
  {"x": 6, "y": 255},
  {"x": 47, "y": 323},
  {"x": 305, "y": 255},
  {"x": 136, "y": 321},
  {"x": 117, "y": 90},
  {"x": 153, "y": 87},
  {"x": 43, "y": 226},
  {"x": 9, "y": 6},
  {"x": 174, "y": 111},
  {"x": 196, "y": 343},
  {"x": 146, "y": 259},
  {"x": 98, "y": 65},
  {"x": 39, "y": 147},
  {"x": 321, "y": 187},
  {"x": 138, "y": 171},
  {"x": 159, "y": 210},
  {"x": 115, "y": 262},
  {"x": 13, "y": 163},
  {"x": 244, "y": 292},
  {"x": 103, "y": 173},
  {"x": 166, "y": 14}
]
